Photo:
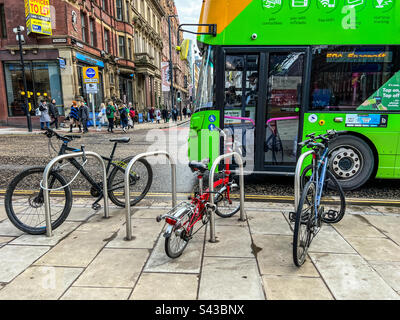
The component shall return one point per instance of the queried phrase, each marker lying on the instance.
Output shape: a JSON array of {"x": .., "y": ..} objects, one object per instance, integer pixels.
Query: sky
[{"x": 189, "y": 12}]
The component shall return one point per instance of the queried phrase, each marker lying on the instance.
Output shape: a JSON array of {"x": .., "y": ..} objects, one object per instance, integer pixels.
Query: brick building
[
  {"x": 181, "y": 69},
  {"x": 84, "y": 33}
]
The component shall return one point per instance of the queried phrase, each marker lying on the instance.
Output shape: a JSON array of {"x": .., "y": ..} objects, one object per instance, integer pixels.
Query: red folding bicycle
[{"x": 186, "y": 217}]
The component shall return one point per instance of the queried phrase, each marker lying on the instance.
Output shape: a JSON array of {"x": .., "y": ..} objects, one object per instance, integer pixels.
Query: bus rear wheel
[{"x": 351, "y": 160}]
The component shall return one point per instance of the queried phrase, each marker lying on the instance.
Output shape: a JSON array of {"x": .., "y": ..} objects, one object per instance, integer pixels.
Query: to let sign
[{"x": 37, "y": 15}]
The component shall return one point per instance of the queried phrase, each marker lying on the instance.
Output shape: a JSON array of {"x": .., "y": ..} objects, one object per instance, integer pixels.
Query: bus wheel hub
[{"x": 345, "y": 163}]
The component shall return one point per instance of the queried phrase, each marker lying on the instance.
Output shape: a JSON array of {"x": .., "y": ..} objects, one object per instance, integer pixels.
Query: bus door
[
  {"x": 284, "y": 78},
  {"x": 241, "y": 91}
]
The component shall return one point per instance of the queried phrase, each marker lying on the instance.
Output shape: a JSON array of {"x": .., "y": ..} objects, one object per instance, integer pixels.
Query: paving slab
[
  {"x": 145, "y": 234},
  {"x": 295, "y": 288},
  {"x": 148, "y": 213},
  {"x": 42, "y": 240},
  {"x": 188, "y": 262},
  {"x": 15, "y": 259},
  {"x": 80, "y": 214},
  {"x": 114, "y": 268},
  {"x": 357, "y": 226},
  {"x": 8, "y": 229},
  {"x": 5, "y": 240},
  {"x": 387, "y": 209},
  {"x": 352, "y": 209},
  {"x": 40, "y": 283},
  {"x": 232, "y": 221},
  {"x": 389, "y": 271},
  {"x": 388, "y": 225},
  {"x": 230, "y": 279},
  {"x": 161, "y": 286},
  {"x": 329, "y": 240},
  {"x": 81, "y": 293},
  {"x": 275, "y": 257},
  {"x": 232, "y": 241},
  {"x": 3, "y": 214},
  {"x": 376, "y": 249},
  {"x": 349, "y": 277},
  {"x": 268, "y": 223},
  {"x": 78, "y": 249}
]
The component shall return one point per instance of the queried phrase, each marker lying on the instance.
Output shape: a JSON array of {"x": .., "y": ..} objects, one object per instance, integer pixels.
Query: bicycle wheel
[
  {"x": 303, "y": 224},
  {"x": 24, "y": 201},
  {"x": 333, "y": 199},
  {"x": 228, "y": 200},
  {"x": 178, "y": 240},
  {"x": 141, "y": 179}
]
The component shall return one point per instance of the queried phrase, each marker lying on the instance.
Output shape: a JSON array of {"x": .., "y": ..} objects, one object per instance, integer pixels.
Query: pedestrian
[
  {"x": 132, "y": 114},
  {"x": 184, "y": 111},
  {"x": 123, "y": 113},
  {"x": 84, "y": 115},
  {"x": 164, "y": 114},
  {"x": 74, "y": 117},
  {"x": 152, "y": 115},
  {"x": 53, "y": 110},
  {"x": 110, "y": 112},
  {"x": 158, "y": 115},
  {"x": 189, "y": 113},
  {"x": 174, "y": 114},
  {"x": 102, "y": 117},
  {"x": 44, "y": 115}
]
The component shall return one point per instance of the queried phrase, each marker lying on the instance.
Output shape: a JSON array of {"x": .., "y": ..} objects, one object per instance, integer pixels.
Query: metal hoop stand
[
  {"x": 297, "y": 177},
  {"x": 127, "y": 187},
  {"x": 49, "y": 167},
  {"x": 211, "y": 182}
]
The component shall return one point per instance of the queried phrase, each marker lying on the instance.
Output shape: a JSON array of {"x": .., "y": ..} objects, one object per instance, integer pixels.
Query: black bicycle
[{"x": 24, "y": 200}]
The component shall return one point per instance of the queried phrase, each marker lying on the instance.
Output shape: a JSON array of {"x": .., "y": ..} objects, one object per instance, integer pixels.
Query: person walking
[
  {"x": 74, "y": 117},
  {"x": 102, "y": 117},
  {"x": 132, "y": 114},
  {"x": 54, "y": 113},
  {"x": 184, "y": 111},
  {"x": 174, "y": 114},
  {"x": 110, "y": 112},
  {"x": 164, "y": 114},
  {"x": 158, "y": 115},
  {"x": 44, "y": 116},
  {"x": 152, "y": 114},
  {"x": 123, "y": 113},
  {"x": 84, "y": 115}
]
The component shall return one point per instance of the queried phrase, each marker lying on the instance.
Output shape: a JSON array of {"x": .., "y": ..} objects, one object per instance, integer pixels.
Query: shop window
[
  {"x": 43, "y": 79},
  {"x": 355, "y": 78}
]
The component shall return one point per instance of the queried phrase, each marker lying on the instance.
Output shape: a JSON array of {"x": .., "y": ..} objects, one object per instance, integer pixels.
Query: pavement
[
  {"x": 138, "y": 126},
  {"x": 88, "y": 258}
]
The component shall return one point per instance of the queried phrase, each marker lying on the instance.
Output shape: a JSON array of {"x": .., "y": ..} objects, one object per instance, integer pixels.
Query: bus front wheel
[{"x": 351, "y": 160}]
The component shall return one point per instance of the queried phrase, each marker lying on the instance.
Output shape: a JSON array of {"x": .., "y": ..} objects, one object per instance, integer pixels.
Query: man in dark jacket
[
  {"x": 53, "y": 113},
  {"x": 84, "y": 115}
]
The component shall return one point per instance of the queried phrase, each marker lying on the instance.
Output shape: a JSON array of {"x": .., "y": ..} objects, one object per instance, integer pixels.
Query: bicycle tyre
[
  {"x": 231, "y": 208},
  {"x": 302, "y": 243},
  {"x": 333, "y": 184},
  {"x": 169, "y": 250},
  {"x": 11, "y": 190},
  {"x": 113, "y": 194}
]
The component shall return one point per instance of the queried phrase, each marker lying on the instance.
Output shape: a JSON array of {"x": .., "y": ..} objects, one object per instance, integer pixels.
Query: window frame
[{"x": 122, "y": 48}]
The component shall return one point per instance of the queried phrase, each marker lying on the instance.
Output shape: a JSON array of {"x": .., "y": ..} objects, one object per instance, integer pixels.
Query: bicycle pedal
[
  {"x": 96, "y": 206},
  {"x": 292, "y": 216}
]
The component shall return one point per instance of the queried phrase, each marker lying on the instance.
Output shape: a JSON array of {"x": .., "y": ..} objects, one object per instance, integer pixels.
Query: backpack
[
  {"x": 108, "y": 111},
  {"x": 123, "y": 113}
]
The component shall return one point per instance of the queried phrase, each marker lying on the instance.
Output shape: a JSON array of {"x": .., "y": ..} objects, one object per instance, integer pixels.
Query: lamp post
[
  {"x": 20, "y": 38},
  {"x": 170, "y": 61}
]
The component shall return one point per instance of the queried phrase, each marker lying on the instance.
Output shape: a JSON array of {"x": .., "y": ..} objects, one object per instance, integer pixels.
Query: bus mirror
[{"x": 184, "y": 49}]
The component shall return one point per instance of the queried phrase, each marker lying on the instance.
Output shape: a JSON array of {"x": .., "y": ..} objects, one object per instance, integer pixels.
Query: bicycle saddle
[
  {"x": 198, "y": 166},
  {"x": 121, "y": 140}
]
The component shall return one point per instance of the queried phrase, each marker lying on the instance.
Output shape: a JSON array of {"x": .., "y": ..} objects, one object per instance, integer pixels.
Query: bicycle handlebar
[
  {"x": 51, "y": 133},
  {"x": 312, "y": 142}
]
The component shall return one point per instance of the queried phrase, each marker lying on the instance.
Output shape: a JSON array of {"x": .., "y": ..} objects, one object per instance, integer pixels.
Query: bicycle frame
[{"x": 322, "y": 167}]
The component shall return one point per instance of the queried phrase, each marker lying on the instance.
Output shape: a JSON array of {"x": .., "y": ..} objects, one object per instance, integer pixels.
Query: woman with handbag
[{"x": 44, "y": 115}]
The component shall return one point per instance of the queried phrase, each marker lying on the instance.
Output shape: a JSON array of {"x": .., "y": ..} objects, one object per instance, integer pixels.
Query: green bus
[{"x": 277, "y": 70}]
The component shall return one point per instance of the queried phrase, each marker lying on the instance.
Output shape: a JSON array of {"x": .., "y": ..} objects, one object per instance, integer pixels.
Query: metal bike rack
[
  {"x": 127, "y": 187},
  {"x": 49, "y": 167},
  {"x": 297, "y": 178},
  {"x": 211, "y": 182}
]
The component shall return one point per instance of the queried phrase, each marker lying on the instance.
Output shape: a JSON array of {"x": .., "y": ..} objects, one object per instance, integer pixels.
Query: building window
[
  {"x": 92, "y": 33},
  {"x": 128, "y": 12},
  {"x": 3, "y": 29},
  {"x": 122, "y": 48},
  {"x": 130, "y": 57},
  {"x": 104, "y": 4},
  {"x": 106, "y": 41},
  {"x": 83, "y": 27},
  {"x": 118, "y": 4}
]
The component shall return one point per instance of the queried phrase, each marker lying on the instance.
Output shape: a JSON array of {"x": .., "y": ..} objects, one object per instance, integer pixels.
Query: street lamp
[
  {"x": 170, "y": 61},
  {"x": 20, "y": 38}
]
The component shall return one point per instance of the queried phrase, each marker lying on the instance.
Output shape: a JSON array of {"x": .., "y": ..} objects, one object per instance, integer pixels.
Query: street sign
[
  {"x": 92, "y": 88},
  {"x": 62, "y": 63},
  {"x": 90, "y": 74}
]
